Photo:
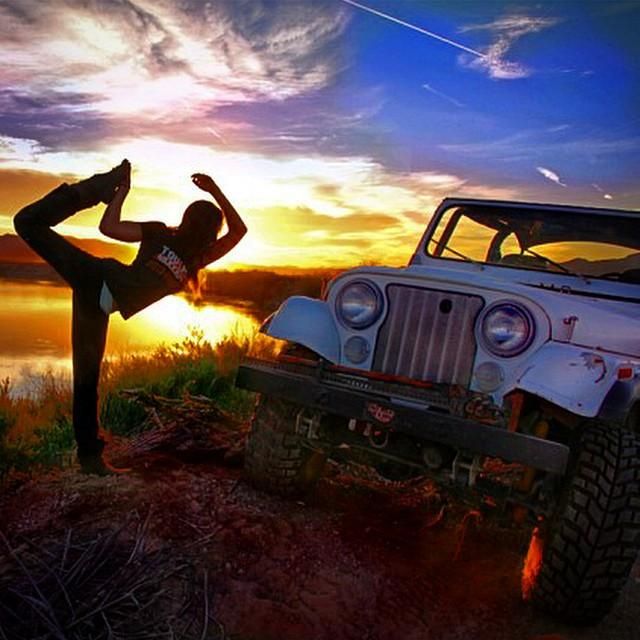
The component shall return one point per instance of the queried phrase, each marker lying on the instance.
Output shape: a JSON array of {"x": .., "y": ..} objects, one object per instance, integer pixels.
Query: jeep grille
[{"x": 428, "y": 335}]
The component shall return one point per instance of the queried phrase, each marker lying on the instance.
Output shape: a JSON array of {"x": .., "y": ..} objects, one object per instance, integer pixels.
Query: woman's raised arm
[{"x": 236, "y": 227}]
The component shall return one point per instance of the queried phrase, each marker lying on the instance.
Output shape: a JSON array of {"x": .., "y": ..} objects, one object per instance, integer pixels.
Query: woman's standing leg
[{"x": 88, "y": 337}]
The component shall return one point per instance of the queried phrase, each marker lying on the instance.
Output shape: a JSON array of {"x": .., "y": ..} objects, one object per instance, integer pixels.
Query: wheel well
[
  {"x": 633, "y": 418},
  {"x": 296, "y": 350},
  {"x": 534, "y": 407}
]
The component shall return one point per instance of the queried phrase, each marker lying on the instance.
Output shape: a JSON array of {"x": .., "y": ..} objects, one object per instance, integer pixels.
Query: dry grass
[
  {"x": 47, "y": 400},
  {"x": 104, "y": 586}
]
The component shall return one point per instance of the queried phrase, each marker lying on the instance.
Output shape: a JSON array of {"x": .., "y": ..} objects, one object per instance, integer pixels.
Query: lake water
[{"x": 35, "y": 327}]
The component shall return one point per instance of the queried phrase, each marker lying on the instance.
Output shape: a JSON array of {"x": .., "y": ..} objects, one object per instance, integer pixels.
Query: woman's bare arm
[
  {"x": 236, "y": 227},
  {"x": 111, "y": 225}
]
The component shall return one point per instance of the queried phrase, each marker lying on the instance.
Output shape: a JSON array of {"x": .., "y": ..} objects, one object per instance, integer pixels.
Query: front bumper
[{"x": 313, "y": 387}]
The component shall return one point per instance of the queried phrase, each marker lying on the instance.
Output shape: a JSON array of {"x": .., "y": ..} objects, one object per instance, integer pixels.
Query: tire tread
[
  {"x": 593, "y": 544},
  {"x": 275, "y": 459}
]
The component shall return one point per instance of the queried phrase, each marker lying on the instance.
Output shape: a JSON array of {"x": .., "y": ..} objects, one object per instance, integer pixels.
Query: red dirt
[{"x": 357, "y": 560}]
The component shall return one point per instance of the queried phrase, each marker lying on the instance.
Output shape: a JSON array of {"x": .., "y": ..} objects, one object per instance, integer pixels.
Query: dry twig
[{"x": 101, "y": 588}]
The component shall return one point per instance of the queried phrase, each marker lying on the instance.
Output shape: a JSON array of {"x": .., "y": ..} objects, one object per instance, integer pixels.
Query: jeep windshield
[{"x": 597, "y": 245}]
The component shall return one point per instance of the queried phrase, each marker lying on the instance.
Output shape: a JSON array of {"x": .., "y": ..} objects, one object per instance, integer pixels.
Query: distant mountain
[
  {"x": 600, "y": 267},
  {"x": 13, "y": 249}
]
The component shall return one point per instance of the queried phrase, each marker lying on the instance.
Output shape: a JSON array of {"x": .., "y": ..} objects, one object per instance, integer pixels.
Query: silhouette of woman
[{"x": 167, "y": 260}]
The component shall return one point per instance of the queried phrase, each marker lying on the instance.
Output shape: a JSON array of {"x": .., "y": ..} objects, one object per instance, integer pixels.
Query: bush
[
  {"x": 37, "y": 430},
  {"x": 122, "y": 415},
  {"x": 193, "y": 367}
]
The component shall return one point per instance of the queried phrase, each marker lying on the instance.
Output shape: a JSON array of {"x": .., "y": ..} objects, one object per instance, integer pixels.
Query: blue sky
[
  {"x": 336, "y": 126},
  {"x": 563, "y": 92}
]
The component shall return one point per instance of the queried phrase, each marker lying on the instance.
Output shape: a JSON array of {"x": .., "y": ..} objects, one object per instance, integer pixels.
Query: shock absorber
[{"x": 540, "y": 430}]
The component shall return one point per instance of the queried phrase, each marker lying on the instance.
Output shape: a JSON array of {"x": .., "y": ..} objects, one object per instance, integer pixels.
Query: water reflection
[{"x": 35, "y": 321}]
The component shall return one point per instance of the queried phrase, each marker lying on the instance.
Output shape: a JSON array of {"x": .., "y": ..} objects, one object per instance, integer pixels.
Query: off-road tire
[
  {"x": 275, "y": 458},
  {"x": 578, "y": 563}
]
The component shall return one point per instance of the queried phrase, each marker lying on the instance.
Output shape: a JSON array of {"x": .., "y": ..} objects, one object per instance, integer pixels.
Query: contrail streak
[
  {"x": 415, "y": 28},
  {"x": 444, "y": 96}
]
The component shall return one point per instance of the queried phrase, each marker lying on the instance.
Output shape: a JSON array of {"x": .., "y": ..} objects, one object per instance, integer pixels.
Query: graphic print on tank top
[{"x": 172, "y": 261}]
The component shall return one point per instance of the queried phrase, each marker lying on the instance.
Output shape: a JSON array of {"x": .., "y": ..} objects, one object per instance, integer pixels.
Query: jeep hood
[
  {"x": 602, "y": 324},
  {"x": 583, "y": 315}
]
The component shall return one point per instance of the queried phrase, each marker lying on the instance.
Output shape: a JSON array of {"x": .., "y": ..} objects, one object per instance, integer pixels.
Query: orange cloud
[{"x": 20, "y": 187}]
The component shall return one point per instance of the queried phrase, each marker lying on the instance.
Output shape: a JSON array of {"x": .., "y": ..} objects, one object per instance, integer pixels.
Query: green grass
[
  {"x": 12, "y": 451},
  {"x": 36, "y": 430},
  {"x": 53, "y": 443}
]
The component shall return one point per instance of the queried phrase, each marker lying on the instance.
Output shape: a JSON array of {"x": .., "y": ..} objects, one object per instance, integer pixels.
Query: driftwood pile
[
  {"x": 191, "y": 427},
  {"x": 102, "y": 586}
]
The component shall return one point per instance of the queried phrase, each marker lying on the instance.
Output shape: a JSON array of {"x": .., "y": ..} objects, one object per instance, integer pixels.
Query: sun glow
[
  {"x": 37, "y": 319},
  {"x": 292, "y": 205},
  {"x": 172, "y": 319}
]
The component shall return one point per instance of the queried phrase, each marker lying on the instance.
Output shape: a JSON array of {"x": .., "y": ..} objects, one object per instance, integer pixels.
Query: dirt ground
[{"x": 358, "y": 559}]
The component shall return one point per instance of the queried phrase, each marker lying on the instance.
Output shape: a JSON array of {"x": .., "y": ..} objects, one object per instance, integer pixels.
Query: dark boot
[{"x": 100, "y": 187}]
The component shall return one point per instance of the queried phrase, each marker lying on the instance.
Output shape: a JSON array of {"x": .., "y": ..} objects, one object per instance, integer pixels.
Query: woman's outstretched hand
[
  {"x": 203, "y": 181},
  {"x": 111, "y": 224}
]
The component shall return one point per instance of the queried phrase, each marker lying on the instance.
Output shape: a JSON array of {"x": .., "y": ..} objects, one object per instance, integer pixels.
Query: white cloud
[
  {"x": 14, "y": 150},
  {"x": 495, "y": 65},
  {"x": 507, "y": 31},
  {"x": 599, "y": 189},
  {"x": 164, "y": 60},
  {"x": 256, "y": 181},
  {"x": 551, "y": 175}
]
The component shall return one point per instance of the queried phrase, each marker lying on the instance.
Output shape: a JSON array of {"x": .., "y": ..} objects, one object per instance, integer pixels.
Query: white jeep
[{"x": 505, "y": 359}]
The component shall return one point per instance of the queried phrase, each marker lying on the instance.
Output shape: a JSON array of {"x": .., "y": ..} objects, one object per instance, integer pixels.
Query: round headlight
[
  {"x": 506, "y": 329},
  {"x": 359, "y": 304}
]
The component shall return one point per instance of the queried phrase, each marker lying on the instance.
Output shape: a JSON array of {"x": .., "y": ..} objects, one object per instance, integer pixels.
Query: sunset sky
[{"x": 334, "y": 126}]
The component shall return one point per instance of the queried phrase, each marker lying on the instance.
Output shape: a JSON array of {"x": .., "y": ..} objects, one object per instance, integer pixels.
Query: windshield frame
[{"x": 489, "y": 209}]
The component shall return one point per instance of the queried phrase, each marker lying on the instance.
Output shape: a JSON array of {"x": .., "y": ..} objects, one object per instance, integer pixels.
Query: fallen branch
[{"x": 193, "y": 424}]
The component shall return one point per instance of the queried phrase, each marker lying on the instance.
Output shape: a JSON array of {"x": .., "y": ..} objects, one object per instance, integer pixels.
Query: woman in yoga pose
[{"x": 168, "y": 259}]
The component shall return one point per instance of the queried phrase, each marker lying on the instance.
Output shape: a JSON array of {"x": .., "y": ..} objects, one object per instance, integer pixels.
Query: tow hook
[
  {"x": 466, "y": 468},
  {"x": 379, "y": 439}
]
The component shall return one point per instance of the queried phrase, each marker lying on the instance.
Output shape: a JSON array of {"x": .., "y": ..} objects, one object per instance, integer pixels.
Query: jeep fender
[
  {"x": 308, "y": 322},
  {"x": 575, "y": 378},
  {"x": 623, "y": 403}
]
